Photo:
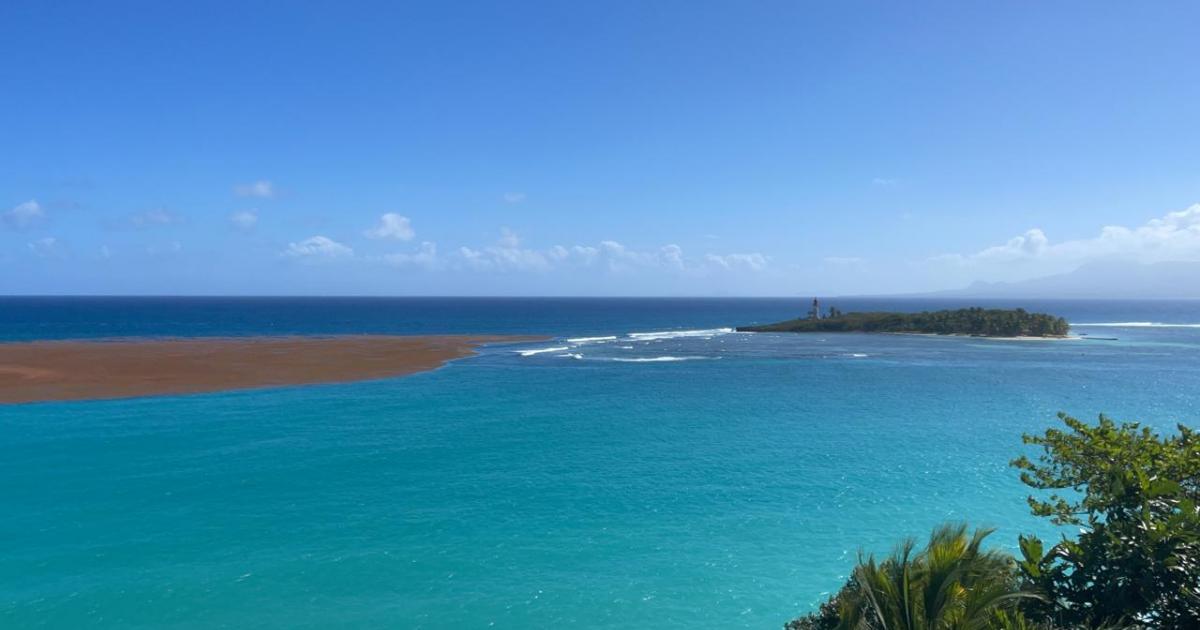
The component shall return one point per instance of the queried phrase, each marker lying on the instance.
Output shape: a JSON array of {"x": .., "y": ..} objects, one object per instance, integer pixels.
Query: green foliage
[
  {"x": 951, "y": 584},
  {"x": 966, "y": 321},
  {"x": 1134, "y": 566},
  {"x": 1137, "y": 558}
]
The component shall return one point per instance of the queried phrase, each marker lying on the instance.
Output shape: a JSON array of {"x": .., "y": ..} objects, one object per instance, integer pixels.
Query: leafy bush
[
  {"x": 1134, "y": 566},
  {"x": 1137, "y": 558}
]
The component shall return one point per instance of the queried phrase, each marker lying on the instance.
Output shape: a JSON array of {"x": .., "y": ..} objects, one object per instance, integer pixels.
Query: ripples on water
[{"x": 647, "y": 468}]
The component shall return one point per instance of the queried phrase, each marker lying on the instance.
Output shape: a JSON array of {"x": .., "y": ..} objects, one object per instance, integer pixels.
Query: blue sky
[{"x": 629, "y": 148}]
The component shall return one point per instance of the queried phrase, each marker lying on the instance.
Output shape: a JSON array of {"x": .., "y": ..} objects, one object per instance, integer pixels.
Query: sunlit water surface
[{"x": 646, "y": 468}]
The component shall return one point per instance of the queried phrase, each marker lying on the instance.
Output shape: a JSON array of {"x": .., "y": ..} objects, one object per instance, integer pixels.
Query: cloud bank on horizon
[
  {"x": 541, "y": 148},
  {"x": 1173, "y": 237},
  {"x": 386, "y": 244},
  {"x": 507, "y": 254}
]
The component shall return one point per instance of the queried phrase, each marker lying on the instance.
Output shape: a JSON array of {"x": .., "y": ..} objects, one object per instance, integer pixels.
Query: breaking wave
[
  {"x": 706, "y": 333},
  {"x": 592, "y": 339},
  {"x": 529, "y": 353},
  {"x": 659, "y": 359}
]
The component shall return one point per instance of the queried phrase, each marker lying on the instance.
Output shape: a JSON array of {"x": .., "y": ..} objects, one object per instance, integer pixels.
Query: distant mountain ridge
[{"x": 1107, "y": 279}]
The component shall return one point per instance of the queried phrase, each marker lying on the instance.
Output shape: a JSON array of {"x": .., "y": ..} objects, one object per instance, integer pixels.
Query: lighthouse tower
[{"x": 815, "y": 313}]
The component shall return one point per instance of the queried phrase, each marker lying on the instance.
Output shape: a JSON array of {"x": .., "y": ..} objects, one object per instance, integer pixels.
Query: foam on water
[
  {"x": 583, "y": 340},
  {"x": 664, "y": 340},
  {"x": 665, "y": 359},
  {"x": 529, "y": 353},
  {"x": 677, "y": 334},
  {"x": 528, "y": 491}
]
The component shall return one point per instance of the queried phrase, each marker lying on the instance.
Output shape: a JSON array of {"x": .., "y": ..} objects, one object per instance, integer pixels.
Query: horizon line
[{"x": 896, "y": 296}]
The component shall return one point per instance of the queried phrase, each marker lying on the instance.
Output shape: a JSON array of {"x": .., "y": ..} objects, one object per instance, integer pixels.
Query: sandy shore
[{"x": 86, "y": 370}]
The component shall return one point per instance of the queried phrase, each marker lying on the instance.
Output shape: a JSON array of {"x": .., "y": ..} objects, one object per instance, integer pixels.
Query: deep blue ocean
[{"x": 647, "y": 468}]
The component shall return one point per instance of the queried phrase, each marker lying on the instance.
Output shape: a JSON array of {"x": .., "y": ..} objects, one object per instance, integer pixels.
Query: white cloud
[
  {"x": 514, "y": 197},
  {"x": 584, "y": 253},
  {"x": 1028, "y": 245},
  {"x": 508, "y": 255},
  {"x": 672, "y": 256},
  {"x": 753, "y": 261},
  {"x": 154, "y": 218},
  {"x": 23, "y": 215},
  {"x": 1173, "y": 237},
  {"x": 394, "y": 226},
  {"x": 558, "y": 252},
  {"x": 425, "y": 257},
  {"x": 619, "y": 258},
  {"x": 105, "y": 252},
  {"x": 318, "y": 247},
  {"x": 610, "y": 256},
  {"x": 509, "y": 238},
  {"x": 47, "y": 247},
  {"x": 262, "y": 189},
  {"x": 885, "y": 181},
  {"x": 244, "y": 220},
  {"x": 504, "y": 259},
  {"x": 473, "y": 257}
]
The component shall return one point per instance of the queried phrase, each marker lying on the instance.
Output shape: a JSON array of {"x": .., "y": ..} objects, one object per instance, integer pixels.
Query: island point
[{"x": 971, "y": 322}]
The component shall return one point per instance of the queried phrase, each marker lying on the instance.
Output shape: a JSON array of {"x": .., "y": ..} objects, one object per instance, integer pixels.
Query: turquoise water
[{"x": 709, "y": 479}]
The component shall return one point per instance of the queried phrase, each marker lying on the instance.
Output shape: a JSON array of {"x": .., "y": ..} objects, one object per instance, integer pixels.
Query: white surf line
[
  {"x": 660, "y": 359},
  {"x": 678, "y": 334},
  {"x": 581, "y": 340},
  {"x": 529, "y": 353}
]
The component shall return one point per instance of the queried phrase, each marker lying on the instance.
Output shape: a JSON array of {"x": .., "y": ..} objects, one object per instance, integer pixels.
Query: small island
[{"x": 973, "y": 322}]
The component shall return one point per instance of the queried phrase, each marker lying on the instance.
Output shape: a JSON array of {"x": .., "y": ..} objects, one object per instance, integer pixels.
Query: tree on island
[
  {"x": 963, "y": 321},
  {"x": 1135, "y": 564}
]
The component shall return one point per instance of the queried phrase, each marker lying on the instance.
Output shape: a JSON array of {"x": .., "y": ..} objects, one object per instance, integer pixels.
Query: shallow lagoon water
[{"x": 600, "y": 486}]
